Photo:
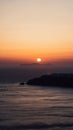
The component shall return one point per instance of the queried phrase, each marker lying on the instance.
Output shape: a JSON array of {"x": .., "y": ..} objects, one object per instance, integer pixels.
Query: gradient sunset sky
[{"x": 36, "y": 28}]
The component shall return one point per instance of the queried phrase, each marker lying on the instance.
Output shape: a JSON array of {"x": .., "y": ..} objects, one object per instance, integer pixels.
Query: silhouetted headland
[{"x": 57, "y": 79}]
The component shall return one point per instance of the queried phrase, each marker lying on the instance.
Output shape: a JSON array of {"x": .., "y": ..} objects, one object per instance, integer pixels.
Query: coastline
[{"x": 56, "y": 79}]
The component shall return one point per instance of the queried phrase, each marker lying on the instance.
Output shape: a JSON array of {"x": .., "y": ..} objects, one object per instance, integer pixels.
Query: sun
[{"x": 39, "y": 60}]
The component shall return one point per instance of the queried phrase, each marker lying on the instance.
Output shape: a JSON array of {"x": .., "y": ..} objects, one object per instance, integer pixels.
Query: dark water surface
[{"x": 31, "y": 107}]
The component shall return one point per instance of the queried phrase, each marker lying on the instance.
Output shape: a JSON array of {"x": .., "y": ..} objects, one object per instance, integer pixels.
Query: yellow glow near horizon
[{"x": 39, "y": 60}]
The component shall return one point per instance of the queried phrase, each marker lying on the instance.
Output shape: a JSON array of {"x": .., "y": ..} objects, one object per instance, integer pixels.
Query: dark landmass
[
  {"x": 22, "y": 83},
  {"x": 57, "y": 79}
]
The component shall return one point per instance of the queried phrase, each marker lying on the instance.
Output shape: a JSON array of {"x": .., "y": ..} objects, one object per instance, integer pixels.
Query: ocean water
[{"x": 34, "y": 107}]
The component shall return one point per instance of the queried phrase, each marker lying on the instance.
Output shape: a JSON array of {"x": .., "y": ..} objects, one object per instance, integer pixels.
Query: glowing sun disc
[{"x": 39, "y": 60}]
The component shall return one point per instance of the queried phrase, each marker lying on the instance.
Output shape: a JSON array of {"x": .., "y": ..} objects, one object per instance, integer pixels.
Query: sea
[{"x": 24, "y": 107}]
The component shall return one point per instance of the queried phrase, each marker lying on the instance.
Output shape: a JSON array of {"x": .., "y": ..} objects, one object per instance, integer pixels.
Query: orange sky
[{"x": 40, "y": 28}]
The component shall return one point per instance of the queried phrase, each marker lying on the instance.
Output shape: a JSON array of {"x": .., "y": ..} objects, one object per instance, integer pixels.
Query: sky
[{"x": 36, "y": 28}]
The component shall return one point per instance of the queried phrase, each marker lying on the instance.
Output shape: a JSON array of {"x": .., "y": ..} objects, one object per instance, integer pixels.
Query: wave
[{"x": 36, "y": 126}]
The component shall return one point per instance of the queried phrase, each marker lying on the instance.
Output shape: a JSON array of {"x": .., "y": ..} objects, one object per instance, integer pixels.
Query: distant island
[
  {"x": 31, "y": 64},
  {"x": 55, "y": 79}
]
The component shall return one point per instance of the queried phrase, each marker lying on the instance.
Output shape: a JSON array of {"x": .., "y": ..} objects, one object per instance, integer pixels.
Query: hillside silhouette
[{"x": 56, "y": 79}]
